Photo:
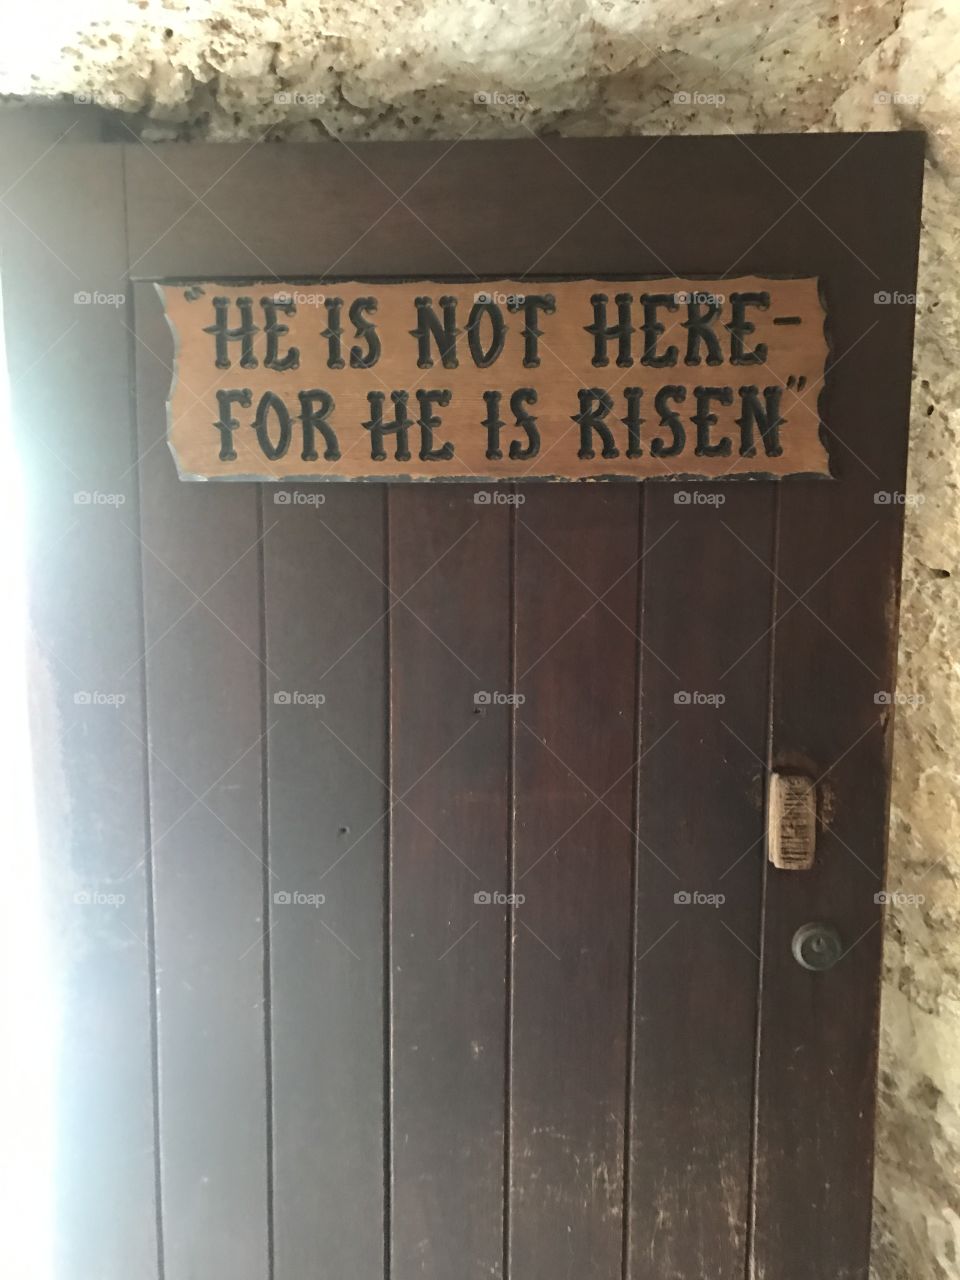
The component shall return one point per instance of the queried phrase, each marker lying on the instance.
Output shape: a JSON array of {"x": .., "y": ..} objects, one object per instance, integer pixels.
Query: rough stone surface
[{"x": 249, "y": 69}]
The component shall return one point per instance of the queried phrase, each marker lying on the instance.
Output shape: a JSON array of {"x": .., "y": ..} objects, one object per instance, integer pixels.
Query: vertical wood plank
[
  {"x": 834, "y": 656},
  {"x": 205, "y": 682},
  {"x": 450, "y": 663},
  {"x": 83, "y": 565},
  {"x": 576, "y": 661},
  {"x": 818, "y": 1031},
  {"x": 707, "y": 600},
  {"x": 324, "y": 568}
]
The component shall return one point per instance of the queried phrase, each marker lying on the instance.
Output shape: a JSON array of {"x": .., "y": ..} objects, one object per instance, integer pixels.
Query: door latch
[{"x": 792, "y": 821}]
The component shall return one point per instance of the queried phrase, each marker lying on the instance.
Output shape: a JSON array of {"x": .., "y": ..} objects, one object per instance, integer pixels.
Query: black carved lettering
[
  {"x": 527, "y": 422},
  {"x": 333, "y": 332},
  {"x": 669, "y": 418},
  {"x": 270, "y": 402},
  {"x": 653, "y": 328},
  {"x": 633, "y": 421},
  {"x": 765, "y": 416},
  {"x": 493, "y": 423},
  {"x": 703, "y": 420},
  {"x": 442, "y": 332},
  {"x": 604, "y": 333},
  {"x": 367, "y": 330},
  {"x": 274, "y": 330},
  {"x": 224, "y": 335},
  {"x": 481, "y": 357},
  {"x": 400, "y": 427},
  {"x": 226, "y": 424},
  {"x": 740, "y": 327},
  {"x": 700, "y": 330},
  {"x": 316, "y": 408},
  {"x": 428, "y": 423},
  {"x": 531, "y": 304},
  {"x": 595, "y": 405}
]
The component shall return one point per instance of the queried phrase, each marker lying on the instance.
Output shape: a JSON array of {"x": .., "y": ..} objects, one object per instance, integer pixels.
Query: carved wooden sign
[{"x": 503, "y": 380}]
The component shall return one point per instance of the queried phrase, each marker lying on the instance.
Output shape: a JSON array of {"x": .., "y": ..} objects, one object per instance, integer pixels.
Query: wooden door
[{"x": 450, "y": 947}]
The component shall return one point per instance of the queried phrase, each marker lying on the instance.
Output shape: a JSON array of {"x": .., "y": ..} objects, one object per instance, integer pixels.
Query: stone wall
[{"x": 453, "y": 69}]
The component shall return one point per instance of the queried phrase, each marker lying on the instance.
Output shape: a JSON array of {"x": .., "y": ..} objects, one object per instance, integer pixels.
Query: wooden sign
[{"x": 504, "y": 380}]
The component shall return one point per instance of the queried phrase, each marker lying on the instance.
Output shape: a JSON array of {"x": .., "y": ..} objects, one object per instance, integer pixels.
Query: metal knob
[{"x": 817, "y": 946}]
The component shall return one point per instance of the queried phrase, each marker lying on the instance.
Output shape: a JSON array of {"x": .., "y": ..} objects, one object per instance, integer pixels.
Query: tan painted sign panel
[{"x": 501, "y": 380}]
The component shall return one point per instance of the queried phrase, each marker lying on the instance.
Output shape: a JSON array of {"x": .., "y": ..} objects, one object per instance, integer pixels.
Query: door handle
[{"x": 791, "y": 821}]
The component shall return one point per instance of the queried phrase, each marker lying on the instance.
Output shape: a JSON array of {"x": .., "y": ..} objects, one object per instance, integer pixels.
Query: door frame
[{"x": 85, "y": 214}]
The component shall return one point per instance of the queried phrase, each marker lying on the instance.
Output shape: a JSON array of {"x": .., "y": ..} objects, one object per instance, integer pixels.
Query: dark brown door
[{"x": 450, "y": 947}]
